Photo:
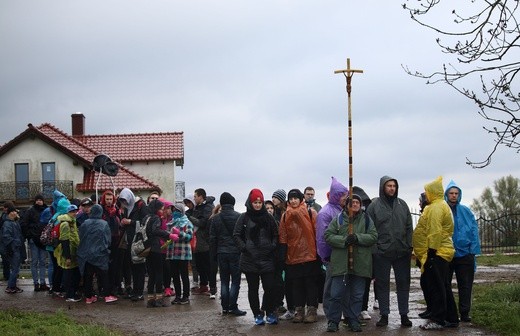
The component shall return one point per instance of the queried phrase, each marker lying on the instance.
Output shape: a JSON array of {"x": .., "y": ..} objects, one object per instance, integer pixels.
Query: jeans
[
  {"x": 38, "y": 258},
  {"x": 346, "y": 297},
  {"x": 228, "y": 264},
  {"x": 14, "y": 261},
  {"x": 6, "y": 267},
  {"x": 401, "y": 266}
]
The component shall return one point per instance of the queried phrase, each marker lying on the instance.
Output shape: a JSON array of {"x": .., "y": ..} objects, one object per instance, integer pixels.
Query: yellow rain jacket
[
  {"x": 435, "y": 227},
  {"x": 68, "y": 232}
]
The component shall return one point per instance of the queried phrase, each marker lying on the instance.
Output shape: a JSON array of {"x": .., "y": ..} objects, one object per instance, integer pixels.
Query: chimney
[{"x": 78, "y": 124}]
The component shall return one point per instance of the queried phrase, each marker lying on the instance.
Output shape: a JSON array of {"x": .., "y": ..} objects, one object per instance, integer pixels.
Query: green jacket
[{"x": 336, "y": 235}]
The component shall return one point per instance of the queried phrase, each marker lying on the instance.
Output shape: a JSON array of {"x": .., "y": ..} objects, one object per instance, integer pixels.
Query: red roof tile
[{"x": 138, "y": 147}]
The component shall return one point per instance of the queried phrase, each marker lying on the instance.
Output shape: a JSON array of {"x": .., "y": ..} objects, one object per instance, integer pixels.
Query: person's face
[
  {"x": 453, "y": 195},
  {"x": 390, "y": 188},
  {"x": 257, "y": 205},
  {"x": 86, "y": 208},
  {"x": 167, "y": 211},
  {"x": 74, "y": 213},
  {"x": 309, "y": 194},
  {"x": 343, "y": 200},
  {"x": 294, "y": 202},
  {"x": 109, "y": 200},
  {"x": 13, "y": 215},
  {"x": 198, "y": 199},
  {"x": 269, "y": 208},
  {"x": 188, "y": 204},
  {"x": 154, "y": 197},
  {"x": 123, "y": 202},
  {"x": 39, "y": 202},
  {"x": 276, "y": 201},
  {"x": 356, "y": 205}
]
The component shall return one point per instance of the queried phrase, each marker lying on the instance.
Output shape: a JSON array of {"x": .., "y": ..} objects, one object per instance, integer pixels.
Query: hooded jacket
[
  {"x": 221, "y": 231},
  {"x": 435, "y": 226},
  {"x": 69, "y": 239},
  {"x": 94, "y": 241},
  {"x": 393, "y": 222},
  {"x": 465, "y": 233},
  {"x": 200, "y": 219},
  {"x": 326, "y": 215},
  {"x": 153, "y": 226},
  {"x": 31, "y": 222},
  {"x": 136, "y": 210}
]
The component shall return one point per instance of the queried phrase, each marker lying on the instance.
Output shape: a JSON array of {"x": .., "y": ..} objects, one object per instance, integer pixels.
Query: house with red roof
[{"x": 43, "y": 158}]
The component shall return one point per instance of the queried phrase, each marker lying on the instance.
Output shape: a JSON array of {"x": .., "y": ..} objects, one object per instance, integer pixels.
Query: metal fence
[{"x": 497, "y": 235}]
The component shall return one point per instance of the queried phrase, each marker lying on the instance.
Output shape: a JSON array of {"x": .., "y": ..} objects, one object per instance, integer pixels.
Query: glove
[
  {"x": 431, "y": 253},
  {"x": 174, "y": 237},
  {"x": 351, "y": 239},
  {"x": 175, "y": 230}
]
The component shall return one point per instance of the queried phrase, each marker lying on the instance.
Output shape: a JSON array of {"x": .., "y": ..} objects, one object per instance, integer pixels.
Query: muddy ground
[{"x": 202, "y": 316}]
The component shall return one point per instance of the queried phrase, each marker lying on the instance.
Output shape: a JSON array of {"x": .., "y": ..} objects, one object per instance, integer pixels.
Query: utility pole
[{"x": 348, "y": 72}]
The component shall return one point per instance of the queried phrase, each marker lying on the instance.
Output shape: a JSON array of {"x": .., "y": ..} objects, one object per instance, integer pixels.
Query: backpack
[{"x": 141, "y": 245}]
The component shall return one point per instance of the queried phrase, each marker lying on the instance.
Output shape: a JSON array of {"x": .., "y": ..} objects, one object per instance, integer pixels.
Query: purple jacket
[{"x": 325, "y": 216}]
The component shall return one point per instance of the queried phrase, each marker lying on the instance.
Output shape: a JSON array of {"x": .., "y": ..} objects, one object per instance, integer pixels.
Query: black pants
[
  {"x": 6, "y": 267},
  {"x": 154, "y": 267},
  {"x": 71, "y": 278},
  {"x": 203, "y": 265},
  {"x": 438, "y": 289},
  {"x": 57, "y": 275},
  {"x": 113, "y": 273},
  {"x": 268, "y": 300},
  {"x": 138, "y": 274},
  {"x": 179, "y": 269},
  {"x": 88, "y": 280},
  {"x": 167, "y": 272},
  {"x": 124, "y": 269},
  {"x": 464, "y": 269},
  {"x": 305, "y": 291}
]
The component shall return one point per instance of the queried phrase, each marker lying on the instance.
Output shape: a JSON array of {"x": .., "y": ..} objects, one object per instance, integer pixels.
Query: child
[
  {"x": 11, "y": 241},
  {"x": 179, "y": 253}
]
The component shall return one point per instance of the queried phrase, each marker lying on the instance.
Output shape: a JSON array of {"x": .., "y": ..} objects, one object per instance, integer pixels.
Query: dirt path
[{"x": 202, "y": 316}]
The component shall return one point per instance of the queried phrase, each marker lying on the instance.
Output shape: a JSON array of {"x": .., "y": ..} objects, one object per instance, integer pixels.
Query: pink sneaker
[
  {"x": 91, "y": 299},
  {"x": 110, "y": 298},
  {"x": 168, "y": 292}
]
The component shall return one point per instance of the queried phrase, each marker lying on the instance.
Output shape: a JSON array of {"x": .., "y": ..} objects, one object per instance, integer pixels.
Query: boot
[
  {"x": 312, "y": 315},
  {"x": 299, "y": 315},
  {"x": 383, "y": 321},
  {"x": 150, "y": 303},
  {"x": 405, "y": 321}
]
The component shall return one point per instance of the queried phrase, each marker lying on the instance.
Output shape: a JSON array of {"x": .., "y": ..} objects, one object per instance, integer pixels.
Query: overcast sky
[{"x": 252, "y": 86}]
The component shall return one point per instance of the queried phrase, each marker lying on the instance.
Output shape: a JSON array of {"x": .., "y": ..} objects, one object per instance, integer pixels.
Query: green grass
[
  {"x": 15, "y": 322},
  {"x": 498, "y": 259},
  {"x": 496, "y": 307}
]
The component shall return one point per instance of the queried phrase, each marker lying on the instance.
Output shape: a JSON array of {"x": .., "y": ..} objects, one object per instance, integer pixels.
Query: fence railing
[{"x": 24, "y": 192}]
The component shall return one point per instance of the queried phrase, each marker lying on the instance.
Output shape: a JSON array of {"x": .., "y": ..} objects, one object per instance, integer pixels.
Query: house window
[
  {"x": 48, "y": 178},
  {"x": 21, "y": 171}
]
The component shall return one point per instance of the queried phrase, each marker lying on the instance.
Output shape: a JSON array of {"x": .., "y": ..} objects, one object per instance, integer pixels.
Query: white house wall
[{"x": 161, "y": 174}]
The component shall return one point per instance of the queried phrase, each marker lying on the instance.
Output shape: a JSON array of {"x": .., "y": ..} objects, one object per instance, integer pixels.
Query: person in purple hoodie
[{"x": 338, "y": 196}]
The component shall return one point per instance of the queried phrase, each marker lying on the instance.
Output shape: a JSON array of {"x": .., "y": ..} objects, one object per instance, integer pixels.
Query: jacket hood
[
  {"x": 365, "y": 200},
  {"x": 434, "y": 190},
  {"x": 96, "y": 212},
  {"x": 452, "y": 184},
  {"x": 337, "y": 190},
  {"x": 56, "y": 196},
  {"x": 166, "y": 203},
  {"x": 190, "y": 198},
  {"x": 382, "y": 182},
  {"x": 129, "y": 197},
  {"x": 61, "y": 209}
]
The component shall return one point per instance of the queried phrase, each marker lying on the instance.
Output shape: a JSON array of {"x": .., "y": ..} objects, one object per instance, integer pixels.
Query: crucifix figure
[{"x": 348, "y": 72}]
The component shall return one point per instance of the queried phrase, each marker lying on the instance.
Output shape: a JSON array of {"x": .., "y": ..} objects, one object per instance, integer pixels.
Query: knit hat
[
  {"x": 227, "y": 198},
  {"x": 179, "y": 206},
  {"x": 71, "y": 208},
  {"x": 295, "y": 193},
  {"x": 38, "y": 197},
  {"x": 280, "y": 194},
  {"x": 256, "y": 194},
  {"x": 11, "y": 209}
]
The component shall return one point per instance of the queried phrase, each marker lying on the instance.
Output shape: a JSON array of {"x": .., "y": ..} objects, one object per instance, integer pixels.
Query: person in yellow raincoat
[
  {"x": 433, "y": 247},
  {"x": 65, "y": 252}
]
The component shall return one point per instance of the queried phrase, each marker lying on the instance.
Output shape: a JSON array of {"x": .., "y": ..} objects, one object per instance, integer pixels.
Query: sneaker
[
  {"x": 73, "y": 299},
  {"x": 272, "y": 318},
  {"x": 451, "y": 324},
  {"x": 136, "y": 298},
  {"x": 289, "y": 315},
  {"x": 110, "y": 298},
  {"x": 259, "y": 320},
  {"x": 376, "y": 305},
  {"x": 332, "y": 326},
  {"x": 44, "y": 287},
  {"x": 204, "y": 290},
  {"x": 431, "y": 325},
  {"x": 383, "y": 321},
  {"x": 9, "y": 290},
  {"x": 212, "y": 296},
  {"x": 364, "y": 315},
  {"x": 168, "y": 292},
  {"x": 91, "y": 300},
  {"x": 184, "y": 301},
  {"x": 425, "y": 315},
  {"x": 405, "y": 321},
  {"x": 465, "y": 318},
  {"x": 355, "y": 327},
  {"x": 237, "y": 312},
  {"x": 37, "y": 287},
  {"x": 177, "y": 300},
  {"x": 281, "y": 310},
  {"x": 16, "y": 290}
]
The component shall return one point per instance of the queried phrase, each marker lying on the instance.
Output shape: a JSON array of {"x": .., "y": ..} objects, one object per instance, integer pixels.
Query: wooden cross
[{"x": 348, "y": 74}]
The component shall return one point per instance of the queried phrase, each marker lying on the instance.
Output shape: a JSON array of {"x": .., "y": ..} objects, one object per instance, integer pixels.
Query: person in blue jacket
[{"x": 467, "y": 244}]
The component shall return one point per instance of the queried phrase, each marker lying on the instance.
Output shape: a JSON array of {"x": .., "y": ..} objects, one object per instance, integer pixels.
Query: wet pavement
[{"x": 202, "y": 316}]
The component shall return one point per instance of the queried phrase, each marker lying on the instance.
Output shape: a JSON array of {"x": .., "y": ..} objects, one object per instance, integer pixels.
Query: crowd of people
[{"x": 302, "y": 254}]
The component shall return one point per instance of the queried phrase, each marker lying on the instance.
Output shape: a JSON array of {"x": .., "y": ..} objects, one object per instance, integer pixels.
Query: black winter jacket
[{"x": 221, "y": 231}]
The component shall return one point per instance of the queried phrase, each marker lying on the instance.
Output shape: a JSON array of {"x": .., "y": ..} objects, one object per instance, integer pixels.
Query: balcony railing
[{"x": 24, "y": 192}]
